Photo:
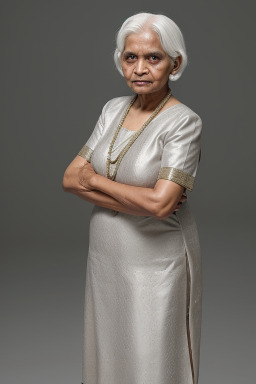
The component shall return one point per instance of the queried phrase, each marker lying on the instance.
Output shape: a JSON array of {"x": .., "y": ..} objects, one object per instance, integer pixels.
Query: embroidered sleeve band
[
  {"x": 86, "y": 152},
  {"x": 178, "y": 176}
]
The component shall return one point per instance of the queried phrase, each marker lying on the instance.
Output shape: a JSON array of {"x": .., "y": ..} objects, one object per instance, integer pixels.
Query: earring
[{"x": 172, "y": 77}]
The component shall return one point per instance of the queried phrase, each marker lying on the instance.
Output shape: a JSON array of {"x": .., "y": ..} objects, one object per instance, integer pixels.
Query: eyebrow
[{"x": 155, "y": 53}]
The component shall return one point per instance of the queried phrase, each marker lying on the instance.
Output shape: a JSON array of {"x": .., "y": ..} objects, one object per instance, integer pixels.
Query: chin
[{"x": 142, "y": 89}]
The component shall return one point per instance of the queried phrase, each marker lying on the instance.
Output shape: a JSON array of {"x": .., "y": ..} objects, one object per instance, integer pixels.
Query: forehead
[{"x": 147, "y": 40}]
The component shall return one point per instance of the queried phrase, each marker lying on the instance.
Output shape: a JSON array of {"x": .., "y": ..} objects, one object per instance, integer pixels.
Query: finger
[{"x": 178, "y": 206}]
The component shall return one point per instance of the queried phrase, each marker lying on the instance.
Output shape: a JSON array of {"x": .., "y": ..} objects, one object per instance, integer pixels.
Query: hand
[
  {"x": 85, "y": 175},
  {"x": 182, "y": 199}
]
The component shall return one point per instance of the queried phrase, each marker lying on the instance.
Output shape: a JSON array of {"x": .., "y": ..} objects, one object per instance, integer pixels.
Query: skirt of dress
[{"x": 143, "y": 291}]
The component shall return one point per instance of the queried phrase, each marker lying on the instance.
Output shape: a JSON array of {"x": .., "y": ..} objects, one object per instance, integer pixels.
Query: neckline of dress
[{"x": 167, "y": 109}]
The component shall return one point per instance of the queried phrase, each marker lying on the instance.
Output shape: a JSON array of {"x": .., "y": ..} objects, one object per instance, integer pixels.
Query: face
[{"x": 146, "y": 66}]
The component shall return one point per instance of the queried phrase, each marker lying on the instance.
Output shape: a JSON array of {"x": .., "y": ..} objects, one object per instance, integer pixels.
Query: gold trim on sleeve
[
  {"x": 178, "y": 176},
  {"x": 86, "y": 152}
]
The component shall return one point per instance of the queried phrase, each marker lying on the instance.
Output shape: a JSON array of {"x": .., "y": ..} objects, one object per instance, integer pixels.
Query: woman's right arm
[{"x": 71, "y": 184}]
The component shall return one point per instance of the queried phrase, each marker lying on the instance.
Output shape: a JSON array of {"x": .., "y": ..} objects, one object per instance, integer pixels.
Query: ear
[{"x": 177, "y": 63}]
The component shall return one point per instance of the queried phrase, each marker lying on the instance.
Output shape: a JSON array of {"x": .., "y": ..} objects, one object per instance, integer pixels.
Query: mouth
[{"x": 142, "y": 82}]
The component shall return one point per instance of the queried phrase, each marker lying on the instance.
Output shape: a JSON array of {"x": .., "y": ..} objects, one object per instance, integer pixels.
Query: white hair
[{"x": 170, "y": 37}]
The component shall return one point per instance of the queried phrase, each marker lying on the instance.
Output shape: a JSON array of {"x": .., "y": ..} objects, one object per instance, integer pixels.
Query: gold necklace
[{"x": 133, "y": 138}]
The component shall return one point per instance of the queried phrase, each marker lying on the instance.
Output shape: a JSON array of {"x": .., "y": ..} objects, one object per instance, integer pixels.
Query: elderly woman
[{"x": 142, "y": 314}]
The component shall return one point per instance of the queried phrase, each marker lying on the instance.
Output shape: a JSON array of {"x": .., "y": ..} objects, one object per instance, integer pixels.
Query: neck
[{"x": 149, "y": 101}]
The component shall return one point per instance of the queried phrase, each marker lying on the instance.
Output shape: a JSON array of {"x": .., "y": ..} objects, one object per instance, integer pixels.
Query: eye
[
  {"x": 154, "y": 58},
  {"x": 130, "y": 57}
]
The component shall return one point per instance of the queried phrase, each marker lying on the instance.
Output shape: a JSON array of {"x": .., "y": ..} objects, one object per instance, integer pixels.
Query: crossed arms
[{"x": 160, "y": 201}]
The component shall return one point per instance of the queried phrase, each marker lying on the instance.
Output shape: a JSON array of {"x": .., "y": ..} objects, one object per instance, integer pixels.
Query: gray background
[{"x": 56, "y": 74}]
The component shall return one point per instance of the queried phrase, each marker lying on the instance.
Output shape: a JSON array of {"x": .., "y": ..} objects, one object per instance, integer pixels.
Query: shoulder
[
  {"x": 182, "y": 123},
  {"x": 190, "y": 114},
  {"x": 184, "y": 119},
  {"x": 116, "y": 102}
]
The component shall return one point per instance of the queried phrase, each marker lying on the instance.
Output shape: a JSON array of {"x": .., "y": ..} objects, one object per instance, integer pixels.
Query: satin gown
[{"x": 143, "y": 290}]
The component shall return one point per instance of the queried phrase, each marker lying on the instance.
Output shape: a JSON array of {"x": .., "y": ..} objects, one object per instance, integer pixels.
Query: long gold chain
[{"x": 133, "y": 138}]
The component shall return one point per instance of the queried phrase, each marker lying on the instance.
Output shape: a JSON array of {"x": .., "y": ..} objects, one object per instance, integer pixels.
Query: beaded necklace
[{"x": 133, "y": 138}]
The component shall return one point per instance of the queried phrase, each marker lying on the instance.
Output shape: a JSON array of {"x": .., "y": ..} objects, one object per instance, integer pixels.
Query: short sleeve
[
  {"x": 181, "y": 151},
  {"x": 88, "y": 148}
]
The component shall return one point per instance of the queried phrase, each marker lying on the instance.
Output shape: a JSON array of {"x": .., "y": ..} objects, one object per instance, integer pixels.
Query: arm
[
  {"x": 179, "y": 165},
  {"x": 71, "y": 184},
  {"x": 159, "y": 201}
]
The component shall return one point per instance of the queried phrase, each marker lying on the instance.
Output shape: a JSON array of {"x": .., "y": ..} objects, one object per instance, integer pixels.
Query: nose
[{"x": 140, "y": 67}]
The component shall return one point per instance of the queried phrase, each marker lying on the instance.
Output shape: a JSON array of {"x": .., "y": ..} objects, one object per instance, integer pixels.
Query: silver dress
[{"x": 143, "y": 291}]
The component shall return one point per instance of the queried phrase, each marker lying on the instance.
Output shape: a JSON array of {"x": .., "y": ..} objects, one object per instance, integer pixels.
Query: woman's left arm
[
  {"x": 80, "y": 179},
  {"x": 159, "y": 201},
  {"x": 179, "y": 163}
]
